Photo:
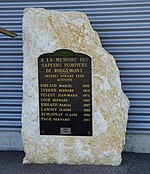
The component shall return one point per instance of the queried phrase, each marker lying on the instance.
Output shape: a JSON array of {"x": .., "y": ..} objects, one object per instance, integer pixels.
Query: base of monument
[{"x": 138, "y": 143}]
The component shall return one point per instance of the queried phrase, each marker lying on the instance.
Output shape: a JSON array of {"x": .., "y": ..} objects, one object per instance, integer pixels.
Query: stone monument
[{"x": 74, "y": 109}]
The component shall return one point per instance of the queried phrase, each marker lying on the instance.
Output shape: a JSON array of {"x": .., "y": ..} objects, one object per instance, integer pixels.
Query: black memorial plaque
[{"x": 65, "y": 93}]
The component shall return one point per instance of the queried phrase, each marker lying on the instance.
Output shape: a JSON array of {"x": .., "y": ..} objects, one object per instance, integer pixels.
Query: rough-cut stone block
[{"x": 45, "y": 32}]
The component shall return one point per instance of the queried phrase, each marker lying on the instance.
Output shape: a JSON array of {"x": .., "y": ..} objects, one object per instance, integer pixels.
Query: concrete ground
[{"x": 11, "y": 163}]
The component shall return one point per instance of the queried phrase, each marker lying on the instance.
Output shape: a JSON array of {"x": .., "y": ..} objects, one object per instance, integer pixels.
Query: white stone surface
[{"x": 44, "y": 32}]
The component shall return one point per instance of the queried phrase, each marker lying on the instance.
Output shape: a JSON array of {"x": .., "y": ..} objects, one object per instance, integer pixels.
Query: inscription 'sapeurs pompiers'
[{"x": 65, "y": 93}]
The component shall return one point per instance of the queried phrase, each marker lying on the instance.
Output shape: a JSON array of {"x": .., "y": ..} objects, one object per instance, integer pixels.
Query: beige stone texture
[{"x": 45, "y": 32}]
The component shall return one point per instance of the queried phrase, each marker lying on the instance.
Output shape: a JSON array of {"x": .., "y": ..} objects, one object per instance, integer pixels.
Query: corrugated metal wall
[{"x": 124, "y": 28}]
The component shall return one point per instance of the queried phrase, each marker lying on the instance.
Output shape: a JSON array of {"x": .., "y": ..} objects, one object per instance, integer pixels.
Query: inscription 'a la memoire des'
[{"x": 65, "y": 97}]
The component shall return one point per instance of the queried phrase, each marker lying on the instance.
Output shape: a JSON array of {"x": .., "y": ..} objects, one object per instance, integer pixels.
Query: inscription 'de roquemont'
[{"x": 65, "y": 93}]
